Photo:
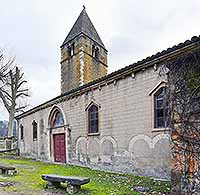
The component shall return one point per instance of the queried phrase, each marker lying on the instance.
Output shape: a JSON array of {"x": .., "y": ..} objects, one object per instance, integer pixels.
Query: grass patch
[{"x": 29, "y": 180}]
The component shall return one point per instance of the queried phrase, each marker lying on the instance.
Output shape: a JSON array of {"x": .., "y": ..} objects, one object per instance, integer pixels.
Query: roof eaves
[{"x": 64, "y": 43}]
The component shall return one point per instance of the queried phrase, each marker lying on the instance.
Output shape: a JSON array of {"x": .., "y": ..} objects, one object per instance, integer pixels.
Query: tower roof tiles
[{"x": 83, "y": 25}]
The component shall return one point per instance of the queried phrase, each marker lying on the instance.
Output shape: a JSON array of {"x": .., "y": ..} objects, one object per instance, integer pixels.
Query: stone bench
[
  {"x": 7, "y": 170},
  {"x": 73, "y": 183}
]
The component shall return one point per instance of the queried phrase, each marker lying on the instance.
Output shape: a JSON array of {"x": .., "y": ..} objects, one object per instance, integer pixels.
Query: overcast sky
[{"x": 33, "y": 30}]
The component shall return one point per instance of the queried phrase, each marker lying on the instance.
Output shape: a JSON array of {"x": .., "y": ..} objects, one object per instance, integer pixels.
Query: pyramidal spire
[{"x": 83, "y": 25}]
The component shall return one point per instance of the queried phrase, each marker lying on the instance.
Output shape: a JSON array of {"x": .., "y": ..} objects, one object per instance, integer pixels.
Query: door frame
[{"x": 57, "y": 130}]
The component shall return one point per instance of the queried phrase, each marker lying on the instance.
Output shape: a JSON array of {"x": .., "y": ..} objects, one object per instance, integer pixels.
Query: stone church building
[{"x": 114, "y": 121}]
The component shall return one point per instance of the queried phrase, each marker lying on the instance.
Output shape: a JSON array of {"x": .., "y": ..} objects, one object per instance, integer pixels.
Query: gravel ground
[
  {"x": 43, "y": 192},
  {"x": 2, "y": 192}
]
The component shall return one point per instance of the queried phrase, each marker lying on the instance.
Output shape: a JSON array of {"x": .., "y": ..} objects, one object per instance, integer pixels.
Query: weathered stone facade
[
  {"x": 127, "y": 140},
  {"x": 82, "y": 67}
]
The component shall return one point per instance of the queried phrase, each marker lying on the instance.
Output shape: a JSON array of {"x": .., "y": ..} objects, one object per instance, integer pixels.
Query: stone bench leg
[
  {"x": 52, "y": 184},
  {"x": 72, "y": 189},
  {"x": 4, "y": 171},
  {"x": 13, "y": 172}
]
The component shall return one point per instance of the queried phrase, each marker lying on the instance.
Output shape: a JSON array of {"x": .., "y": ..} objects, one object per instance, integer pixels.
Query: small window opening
[
  {"x": 34, "y": 130},
  {"x": 22, "y": 131},
  {"x": 70, "y": 50},
  {"x": 95, "y": 52}
]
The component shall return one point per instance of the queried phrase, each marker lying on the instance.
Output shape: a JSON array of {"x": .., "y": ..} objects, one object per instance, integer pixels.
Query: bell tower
[{"x": 83, "y": 55}]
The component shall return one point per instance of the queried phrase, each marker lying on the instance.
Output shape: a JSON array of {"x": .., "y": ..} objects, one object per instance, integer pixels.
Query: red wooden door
[{"x": 59, "y": 148}]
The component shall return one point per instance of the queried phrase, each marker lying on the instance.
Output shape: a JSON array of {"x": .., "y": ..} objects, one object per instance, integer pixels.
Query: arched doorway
[{"x": 57, "y": 135}]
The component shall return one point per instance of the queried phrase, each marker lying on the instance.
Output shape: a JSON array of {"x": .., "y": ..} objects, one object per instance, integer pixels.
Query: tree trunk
[
  {"x": 10, "y": 124},
  {"x": 9, "y": 139}
]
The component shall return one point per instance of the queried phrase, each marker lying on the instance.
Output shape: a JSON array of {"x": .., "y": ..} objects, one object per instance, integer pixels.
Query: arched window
[
  {"x": 70, "y": 50},
  {"x": 57, "y": 120},
  {"x": 34, "y": 130},
  {"x": 22, "y": 132},
  {"x": 93, "y": 50},
  {"x": 97, "y": 53},
  {"x": 93, "y": 122},
  {"x": 161, "y": 108}
]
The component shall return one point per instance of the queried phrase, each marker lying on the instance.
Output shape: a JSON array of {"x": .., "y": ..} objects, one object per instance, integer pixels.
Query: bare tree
[
  {"x": 11, "y": 92},
  {"x": 5, "y": 66}
]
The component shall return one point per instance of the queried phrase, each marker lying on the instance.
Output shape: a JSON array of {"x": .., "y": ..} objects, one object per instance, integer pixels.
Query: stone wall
[
  {"x": 127, "y": 140},
  {"x": 144, "y": 155},
  {"x": 81, "y": 68}
]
